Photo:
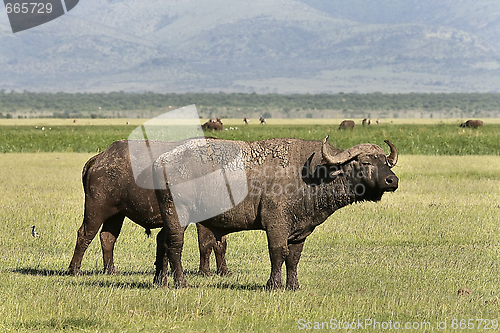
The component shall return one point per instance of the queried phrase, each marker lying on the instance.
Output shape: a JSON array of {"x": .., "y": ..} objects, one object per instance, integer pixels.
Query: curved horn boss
[{"x": 352, "y": 152}]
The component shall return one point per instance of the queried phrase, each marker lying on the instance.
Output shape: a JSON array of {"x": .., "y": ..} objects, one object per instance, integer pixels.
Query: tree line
[{"x": 68, "y": 104}]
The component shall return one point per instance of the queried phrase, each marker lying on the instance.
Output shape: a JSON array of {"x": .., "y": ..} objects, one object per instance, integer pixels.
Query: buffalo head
[{"x": 365, "y": 170}]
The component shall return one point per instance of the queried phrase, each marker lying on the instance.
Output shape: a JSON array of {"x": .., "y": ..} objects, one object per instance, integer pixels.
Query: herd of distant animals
[{"x": 215, "y": 124}]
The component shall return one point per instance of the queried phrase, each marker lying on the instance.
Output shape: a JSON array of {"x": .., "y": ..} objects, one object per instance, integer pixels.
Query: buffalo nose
[{"x": 392, "y": 181}]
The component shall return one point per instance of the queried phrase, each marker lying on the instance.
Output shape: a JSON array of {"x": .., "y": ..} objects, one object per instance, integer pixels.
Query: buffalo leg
[
  {"x": 173, "y": 245},
  {"x": 169, "y": 250},
  {"x": 109, "y": 233},
  {"x": 278, "y": 251},
  {"x": 291, "y": 262},
  {"x": 161, "y": 262},
  {"x": 85, "y": 235},
  {"x": 207, "y": 242},
  {"x": 220, "y": 257}
]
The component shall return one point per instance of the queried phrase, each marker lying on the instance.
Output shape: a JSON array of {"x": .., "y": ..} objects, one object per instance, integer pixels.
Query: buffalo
[
  {"x": 112, "y": 193},
  {"x": 472, "y": 123},
  {"x": 293, "y": 186},
  {"x": 214, "y": 124},
  {"x": 347, "y": 124}
]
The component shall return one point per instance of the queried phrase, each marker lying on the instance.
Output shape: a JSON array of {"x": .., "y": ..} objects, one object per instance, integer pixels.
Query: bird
[{"x": 33, "y": 232}]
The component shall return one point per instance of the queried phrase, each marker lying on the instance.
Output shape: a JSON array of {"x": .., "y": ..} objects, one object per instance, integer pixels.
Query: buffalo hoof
[
  {"x": 110, "y": 271},
  {"x": 273, "y": 285},
  {"x": 182, "y": 285},
  {"x": 224, "y": 272},
  {"x": 204, "y": 272},
  {"x": 158, "y": 280},
  {"x": 74, "y": 272}
]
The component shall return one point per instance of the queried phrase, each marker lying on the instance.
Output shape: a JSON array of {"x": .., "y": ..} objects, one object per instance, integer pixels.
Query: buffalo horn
[
  {"x": 348, "y": 154},
  {"x": 393, "y": 156}
]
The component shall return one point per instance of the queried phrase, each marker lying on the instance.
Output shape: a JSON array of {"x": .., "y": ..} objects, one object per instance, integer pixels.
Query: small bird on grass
[{"x": 33, "y": 232}]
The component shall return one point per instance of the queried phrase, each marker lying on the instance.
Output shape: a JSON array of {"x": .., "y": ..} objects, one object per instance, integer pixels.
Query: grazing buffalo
[
  {"x": 293, "y": 186},
  {"x": 214, "y": 124},
  {"x": 472, "y": 123},
  {"x": 347, "y": 124},
  {"x": 112, "y": 193}
]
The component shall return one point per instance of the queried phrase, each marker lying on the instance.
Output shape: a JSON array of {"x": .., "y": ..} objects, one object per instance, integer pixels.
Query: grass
[
  {"x": 402, "y": 259},
  {"x": 415, "y": 139}
]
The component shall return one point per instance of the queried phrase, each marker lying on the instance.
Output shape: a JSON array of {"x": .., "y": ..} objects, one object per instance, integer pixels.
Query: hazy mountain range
[{"x": 305, "y": 46}]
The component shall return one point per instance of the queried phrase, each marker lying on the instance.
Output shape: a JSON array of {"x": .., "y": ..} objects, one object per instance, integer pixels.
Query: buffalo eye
[{"x": 334, "y": 174}]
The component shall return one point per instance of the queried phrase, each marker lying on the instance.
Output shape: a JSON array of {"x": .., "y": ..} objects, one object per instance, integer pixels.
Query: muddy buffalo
[
  {"x": 472, "y": 123},
  {"x": 347, "y": 124},
  {"x": 292, "y": 187},
  {"x": 112, "y": 193}
]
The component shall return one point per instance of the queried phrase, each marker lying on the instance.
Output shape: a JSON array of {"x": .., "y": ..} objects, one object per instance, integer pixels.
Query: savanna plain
[{"x": 402, "y": 259}]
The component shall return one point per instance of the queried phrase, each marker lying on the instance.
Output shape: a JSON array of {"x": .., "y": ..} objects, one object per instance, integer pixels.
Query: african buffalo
[
  {"x": 293, "y": 186},
  {"x": 347, "y": 124},
  {"x": 472, "y": 123},
  {"x": 111, "y": 194},
  {"x": 214, "y": 124}
]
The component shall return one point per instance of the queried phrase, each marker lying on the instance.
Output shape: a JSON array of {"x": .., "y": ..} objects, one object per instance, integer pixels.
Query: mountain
[{"x": 306, "y": 46}]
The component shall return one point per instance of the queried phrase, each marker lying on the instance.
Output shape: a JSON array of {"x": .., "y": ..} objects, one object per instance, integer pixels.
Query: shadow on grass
[
  {"x": 52, "y": 272},
  {"x": 118, "y": 285},
  {"x": 60, "y": 324},
  {"x": 43, "y": 272},
  {"x": 221, "y": 283},
  {"x": 240, "y": 286}
]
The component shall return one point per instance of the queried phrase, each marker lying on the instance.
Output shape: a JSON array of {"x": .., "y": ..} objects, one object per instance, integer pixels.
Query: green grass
[
  {"x": 415, "y": 139},
  {"x": 402, "y": 259}
]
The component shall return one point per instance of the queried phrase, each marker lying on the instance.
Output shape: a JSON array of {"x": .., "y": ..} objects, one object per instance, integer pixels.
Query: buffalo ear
[
  {"x": 308, "y": 168},
  {"x": 315, "y": 171},
  {"x": 315, "y": 161}
]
